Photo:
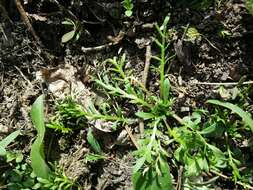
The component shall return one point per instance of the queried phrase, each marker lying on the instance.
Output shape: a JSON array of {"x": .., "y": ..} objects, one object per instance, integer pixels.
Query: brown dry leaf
[{"x": 62, "y": 81}]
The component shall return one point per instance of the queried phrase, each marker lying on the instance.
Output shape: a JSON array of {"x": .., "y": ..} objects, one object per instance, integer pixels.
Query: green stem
[{"x": 162, "y": 66}]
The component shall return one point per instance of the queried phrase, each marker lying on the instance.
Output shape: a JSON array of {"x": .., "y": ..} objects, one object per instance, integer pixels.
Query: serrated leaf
[
  {"x": 192, "y": 168},
  {"x": 38, "y": 162},
  {"x": 68, "y": 36},
  {"x": 139, "y": 163},
  {"x": 236, "y": 109},
  {"x": 93, "y": 141}
]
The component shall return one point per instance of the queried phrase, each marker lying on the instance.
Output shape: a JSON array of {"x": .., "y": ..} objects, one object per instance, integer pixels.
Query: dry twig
[
  {"x": 144, "y": 80},
  {"x": 237, "y": 182},
  {"x": 222, "y": 83},
  {"x": 25, "y": 19}
]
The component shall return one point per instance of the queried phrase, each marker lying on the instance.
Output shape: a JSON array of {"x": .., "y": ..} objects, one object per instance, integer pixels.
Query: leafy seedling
[
  {"x": 151, "y": 170},
  {"x": 128, "y": 6},
  {"x": 75, "y": 33}
]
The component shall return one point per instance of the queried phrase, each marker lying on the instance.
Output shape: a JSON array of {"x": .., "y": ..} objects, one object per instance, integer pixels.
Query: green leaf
[
  {"x": 217, "y": 157},
  {"x": 139, "y": 163},
  {"x": 68, "y": 36},
  {"x": 94, "y": 157},
  {"x": 150, "y": 180},
  {"x": 78, "y": 34},
  {"x": 210, "y": 129},
  {"x": 193, "y": 168},
  {"x": 7, "y": 140},
  {"x": 2, "y": 151},
  {"x": 249, "y": 6},
  {"x": 38, "y": 162},
  {"x": 202, "y": 162},
  {"x": 144, "y": 115},
  {"x": 67, "y": 23},
  {"x": 166, "y": 90},
  {"x": 244, "y": 115},
  {"x": 128, "y": 13},
  {"x": 19, "y": 157},
  {"x": 93, "y": 141}
]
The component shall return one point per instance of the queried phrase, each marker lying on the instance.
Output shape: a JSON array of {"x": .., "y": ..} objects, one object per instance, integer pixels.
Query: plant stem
[{"x": 162, "y": 66}]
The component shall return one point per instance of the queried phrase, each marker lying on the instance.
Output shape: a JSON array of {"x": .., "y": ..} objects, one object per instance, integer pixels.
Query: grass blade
[
  {"x": 7, "y": 140},
  {"x": 38, "y": 162}
]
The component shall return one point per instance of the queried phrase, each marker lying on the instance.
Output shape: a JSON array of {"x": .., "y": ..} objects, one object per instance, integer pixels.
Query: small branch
[
  {"x": 175, "y": 116},
  {"x": 179, "y": 179},
  {"x": 97, "y": 48},
  {"x": 237, "y": 182},
  {"x": 24, "y": 77},
  {"x": 144, "y": 81},
  {"x": 38, "y": 43},
  {"x": 114, "y": 41},
  {"x": 221, "y": 83},
  {"x": 147, "y": 64},
  {"x": 26, "y": 21}
]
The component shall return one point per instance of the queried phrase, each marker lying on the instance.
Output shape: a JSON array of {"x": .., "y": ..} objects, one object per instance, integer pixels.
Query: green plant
[
  {"x": 224, "y": 33},
  {"x": 58, "y": 180},
  {"x": 6, "y": 141},
  {"x": 128, "y": 5},
  {"x": 75, "y": 33},
  {"x": 20, "y": 177},
  {"x": 151, "y": 170},
  {"x": 200, "y": 142},
  {"x": 47, "y": 178},
  {"x": 244, "y": 115},
  {"x": 68, "y": 116},
  {"x": 194, "y": 151},
  {"x": 249, "y": 5}
]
